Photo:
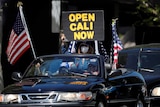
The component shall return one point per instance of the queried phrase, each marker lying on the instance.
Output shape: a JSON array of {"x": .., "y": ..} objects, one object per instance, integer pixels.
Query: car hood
[{"x": 53, "y": 84}]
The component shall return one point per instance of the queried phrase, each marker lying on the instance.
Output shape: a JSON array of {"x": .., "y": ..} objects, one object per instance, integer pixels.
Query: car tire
[
  {"x": 101, "y": 103},
  {"x": 150, "y": 105},
  {"x": 139, "y": 103}
]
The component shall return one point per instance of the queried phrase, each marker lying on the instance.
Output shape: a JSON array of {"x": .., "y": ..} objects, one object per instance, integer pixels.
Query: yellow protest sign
[{"x": 83, "y": 25}]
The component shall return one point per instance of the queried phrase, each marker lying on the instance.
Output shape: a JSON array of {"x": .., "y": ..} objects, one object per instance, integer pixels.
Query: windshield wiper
[
  {"x": 146, "y": 69},
  {"x": 38, "y": 76},
  {"x": 78, "y": 74}
]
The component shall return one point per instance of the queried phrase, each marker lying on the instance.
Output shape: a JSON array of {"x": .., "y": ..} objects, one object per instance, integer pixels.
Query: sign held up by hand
[{"x": 83, "y": 25}]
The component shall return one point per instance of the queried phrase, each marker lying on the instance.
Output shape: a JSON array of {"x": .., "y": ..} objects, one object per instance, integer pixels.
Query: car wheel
[
  {"x": 101, "y": 104},
  {"x": 150, "y": 105},
  {"x": 139, "y": 103}
]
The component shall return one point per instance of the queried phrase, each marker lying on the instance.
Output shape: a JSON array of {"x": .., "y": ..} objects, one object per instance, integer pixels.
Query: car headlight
[
  {"x": 75, "y": 96},
  {"x": 8, "y": 98},
  {"x": 156, "y": 91}
]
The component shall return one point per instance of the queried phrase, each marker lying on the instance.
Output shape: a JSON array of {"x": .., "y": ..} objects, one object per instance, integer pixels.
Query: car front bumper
[{"x": 66, "y": 104}]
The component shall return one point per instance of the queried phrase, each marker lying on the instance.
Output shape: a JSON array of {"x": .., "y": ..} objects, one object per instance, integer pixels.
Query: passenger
[
  {"x": 82, "y": 63},
  {"x": 63, "y": 43},
  {"x": 85, "y": 49}
]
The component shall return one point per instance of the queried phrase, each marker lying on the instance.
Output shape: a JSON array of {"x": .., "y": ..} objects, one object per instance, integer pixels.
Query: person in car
[
  {"x": 92, "y": 69},
  {"x": 82, "y": 63},
  {"x": 85, "y": 48},
  {"x": 63, "y": 43}
]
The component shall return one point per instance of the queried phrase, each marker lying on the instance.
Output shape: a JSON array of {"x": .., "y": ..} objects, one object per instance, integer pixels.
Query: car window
[
  {"x": 65, "y": 66},
  {"x": 150, "y": 60},
  {"x": 128, "y": 60}
]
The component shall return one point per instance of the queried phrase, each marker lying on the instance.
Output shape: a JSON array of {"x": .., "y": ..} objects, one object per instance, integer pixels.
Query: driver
[{"x": 92, "y": 69}]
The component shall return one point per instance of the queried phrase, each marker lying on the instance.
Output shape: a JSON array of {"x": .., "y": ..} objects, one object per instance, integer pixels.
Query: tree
[{"x": 148, "y": 13}]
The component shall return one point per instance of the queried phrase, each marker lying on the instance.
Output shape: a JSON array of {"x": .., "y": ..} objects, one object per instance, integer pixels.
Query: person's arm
[
  {"x": 63, "y": 45},
  {"x": 64, "y": 49}
]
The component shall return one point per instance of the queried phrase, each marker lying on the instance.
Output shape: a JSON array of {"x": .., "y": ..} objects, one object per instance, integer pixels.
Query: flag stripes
[
  {"x": 18, "y": 42},
  {"x": 116, "y": 44}
]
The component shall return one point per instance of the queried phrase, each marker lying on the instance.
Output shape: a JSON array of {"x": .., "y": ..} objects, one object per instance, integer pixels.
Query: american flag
[
  {"x": 103, "y": 51},
  {"x": 72, "y": 47},
  {"x": 18, "y": 42},
  {"x": 117, "y": 44}
]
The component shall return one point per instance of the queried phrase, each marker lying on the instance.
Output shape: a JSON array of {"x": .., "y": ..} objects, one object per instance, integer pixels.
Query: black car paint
[
  {"x": 118, "y": 89},
  {"x": 132, "y": 58}
]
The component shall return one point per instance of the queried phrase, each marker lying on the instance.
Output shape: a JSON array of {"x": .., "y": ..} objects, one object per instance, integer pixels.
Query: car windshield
[
  {"x": 150, "y": 61},
  {"x": 64, "y": 66}
]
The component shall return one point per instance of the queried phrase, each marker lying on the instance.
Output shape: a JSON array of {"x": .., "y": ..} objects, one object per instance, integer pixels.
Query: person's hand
[
  {"x": 63, "y": 38},
  {"x": 95, "y": 72},
  {"x": 37, "y": 65},
  {"x": 86, "y": 73}
]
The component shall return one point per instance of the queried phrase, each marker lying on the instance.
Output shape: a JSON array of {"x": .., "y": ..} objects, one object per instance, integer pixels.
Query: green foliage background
[{"x": 148, "y": 13}]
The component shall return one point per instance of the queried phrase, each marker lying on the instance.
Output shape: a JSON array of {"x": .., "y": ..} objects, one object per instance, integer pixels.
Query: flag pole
[
  {"x": 111, "y": 53},
  {"x": 19, "y": 4},
  {"x": 96, "y": 47}
]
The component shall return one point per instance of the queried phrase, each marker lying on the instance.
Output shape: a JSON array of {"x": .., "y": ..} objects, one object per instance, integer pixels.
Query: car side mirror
[{"x": 17, "y": 76}]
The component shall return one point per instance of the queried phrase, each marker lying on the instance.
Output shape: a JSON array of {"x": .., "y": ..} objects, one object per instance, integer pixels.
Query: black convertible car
[
  {"x": 74, "y": 80},
  {"x": 146, "y": 60}
]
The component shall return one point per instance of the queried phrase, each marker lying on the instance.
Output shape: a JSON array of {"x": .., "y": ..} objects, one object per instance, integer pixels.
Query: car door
[{"x": 128, "y": 85}]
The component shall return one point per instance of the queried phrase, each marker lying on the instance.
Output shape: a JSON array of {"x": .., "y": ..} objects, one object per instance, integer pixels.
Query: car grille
[{"x": 38, "y": 97}]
